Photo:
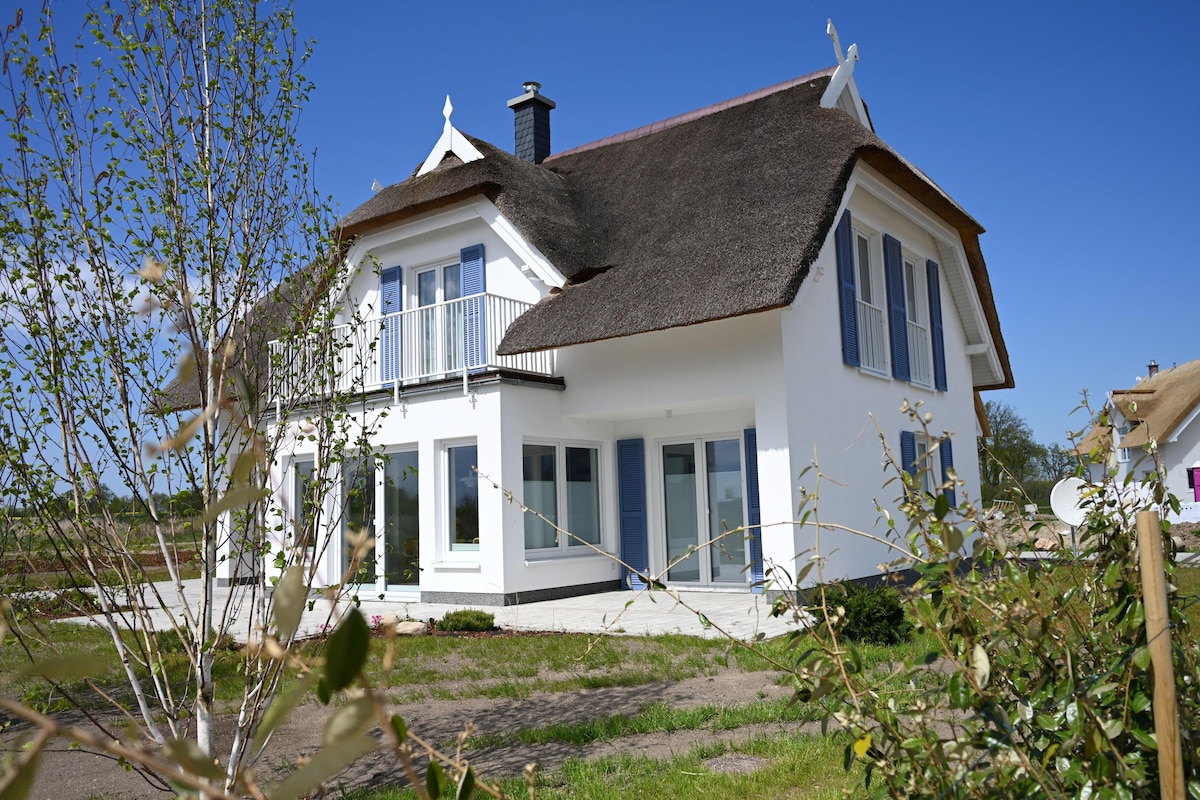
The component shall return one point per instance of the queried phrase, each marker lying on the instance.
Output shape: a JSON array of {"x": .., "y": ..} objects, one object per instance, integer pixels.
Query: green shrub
[
  {"x": 467, "y": 619},
  {"x": 873, "y": 613}
]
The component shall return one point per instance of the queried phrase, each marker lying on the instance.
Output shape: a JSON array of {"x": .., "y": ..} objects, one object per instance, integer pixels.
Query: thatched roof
[
  {"x": 1159, "y": 404},
  {"x": 713, "y": 214}
]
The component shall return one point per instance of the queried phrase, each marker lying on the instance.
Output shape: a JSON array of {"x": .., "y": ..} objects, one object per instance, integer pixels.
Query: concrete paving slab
[{"x": 740, "y": 615}]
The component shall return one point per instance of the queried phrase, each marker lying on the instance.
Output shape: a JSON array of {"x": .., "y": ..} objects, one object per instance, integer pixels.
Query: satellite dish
[{"x": 1066, "y": 501}]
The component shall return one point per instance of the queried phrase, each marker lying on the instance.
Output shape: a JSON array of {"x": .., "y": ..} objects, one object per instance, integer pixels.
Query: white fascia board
[
  {"x": 535, "y": 263},
  {"x": 948, "y": 242}
]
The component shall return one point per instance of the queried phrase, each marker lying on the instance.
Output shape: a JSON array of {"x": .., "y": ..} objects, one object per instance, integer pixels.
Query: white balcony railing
[
  {"x": 920, "y": 358},
  {"x": 437, "y": 342},
  {"x": 872, "y": 338}
]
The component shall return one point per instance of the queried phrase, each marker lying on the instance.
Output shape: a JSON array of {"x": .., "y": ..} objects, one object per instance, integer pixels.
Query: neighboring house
[
  {"x": 648, "y": 339},
  {"x": 1163, "y": 407}
]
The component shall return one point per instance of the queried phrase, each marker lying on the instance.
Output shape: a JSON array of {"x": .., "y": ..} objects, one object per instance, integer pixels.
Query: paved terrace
[{"x": 740, "y": 614}]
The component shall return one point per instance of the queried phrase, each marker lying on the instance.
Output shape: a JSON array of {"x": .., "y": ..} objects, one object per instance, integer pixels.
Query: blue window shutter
[
  {"x": 848, "y": 298},
  {"x": 474, "y": 285},
  {"x": 947, "y": 464},
  {"x": 908, "y": 453},
  {"x": 631, "y": 499},
  {"x": 754, "y": 511},
  {"x": 389, "y": 346},
  {"x": 935, "y": 325},
  {"x": 893, "y": 264}
]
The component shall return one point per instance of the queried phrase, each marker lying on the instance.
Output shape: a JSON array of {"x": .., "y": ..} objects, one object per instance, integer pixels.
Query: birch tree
[{"x": 158, "y": 224}]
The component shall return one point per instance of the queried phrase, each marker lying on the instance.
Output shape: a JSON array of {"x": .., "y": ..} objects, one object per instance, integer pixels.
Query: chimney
[
  {"x": 1153, "y": 367},
  {"x": 532, "y": 123}
]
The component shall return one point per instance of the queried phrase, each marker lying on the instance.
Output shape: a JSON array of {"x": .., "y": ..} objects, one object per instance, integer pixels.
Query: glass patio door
[
  {"x": 401, "y": 507},
  {"x": 703, "y": 499}
]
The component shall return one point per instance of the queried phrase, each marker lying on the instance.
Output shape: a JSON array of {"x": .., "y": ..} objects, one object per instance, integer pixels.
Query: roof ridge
[{"x": 688, "y": 116}]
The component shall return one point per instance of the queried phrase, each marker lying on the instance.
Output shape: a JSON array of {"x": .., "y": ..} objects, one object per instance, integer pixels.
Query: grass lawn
[
  {"x": 451, "y": 668},
  {"x": 789, "y": 766}
]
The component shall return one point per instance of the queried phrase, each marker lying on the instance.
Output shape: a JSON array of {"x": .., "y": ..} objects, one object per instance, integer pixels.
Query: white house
[
  {"x": 1162, "y": 407},
  {"x": 648, "y": 339}
]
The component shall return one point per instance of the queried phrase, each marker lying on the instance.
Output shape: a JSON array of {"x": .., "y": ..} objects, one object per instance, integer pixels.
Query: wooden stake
[{"x": 1158, "y": 636}]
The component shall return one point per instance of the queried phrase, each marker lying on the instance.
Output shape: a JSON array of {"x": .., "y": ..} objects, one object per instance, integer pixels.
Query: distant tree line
[
  {"x": 1013, "y": 465},
  {"x": 183, "y": 504}
]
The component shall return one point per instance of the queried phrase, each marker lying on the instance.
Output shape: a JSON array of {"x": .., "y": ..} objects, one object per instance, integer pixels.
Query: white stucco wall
[{"x": 838, "y": 412}]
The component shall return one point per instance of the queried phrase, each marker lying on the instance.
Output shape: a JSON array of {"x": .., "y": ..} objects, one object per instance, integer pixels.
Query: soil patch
[{"x": 79, "y": 774}]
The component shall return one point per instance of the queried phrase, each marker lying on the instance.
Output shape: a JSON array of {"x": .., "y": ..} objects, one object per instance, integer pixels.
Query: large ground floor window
[
  {"x": 463, "y": 496},
  {"x": 562, "y": 484}
]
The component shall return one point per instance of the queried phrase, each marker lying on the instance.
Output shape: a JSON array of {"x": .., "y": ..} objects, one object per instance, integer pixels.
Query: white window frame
[
  {"x": 872, "y": 314},
  {"x": 566, "y": 545},
  {"x": 381, "y": 513},
  {"x": 658, "y": 546},
  {"x": 917, "y": 316},
  {"x": 926, "y": 464},
  {"x": 375, "y": 487},
  {"x": 295, "y": 503},
  {"x": 438, "y": 267},
  {"x": 448, "y": 546}
]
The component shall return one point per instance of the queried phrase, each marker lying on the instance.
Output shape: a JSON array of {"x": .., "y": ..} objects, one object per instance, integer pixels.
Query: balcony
[{"x": 449, "y": 340}]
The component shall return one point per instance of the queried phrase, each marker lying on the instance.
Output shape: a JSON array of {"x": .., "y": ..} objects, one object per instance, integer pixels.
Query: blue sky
[{"x": 1066, "y": 129}]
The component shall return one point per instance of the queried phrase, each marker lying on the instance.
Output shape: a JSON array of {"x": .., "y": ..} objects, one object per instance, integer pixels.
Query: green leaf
[
  {"x": 980, "y": 665},
  {"x": 435, "y": 779},
  {"x": 324, "y": 693},
  {"x": 289, "y": 602},
  {"x": 65, "y": 668},
  {"x": 951, "y": 536},
  {"x": 347, "y": 650},
  {"x": 941, "y": 507},
  {"x": 399, "y": 728},
  {"x": 466, "y": 785},
  {"x": 353, "y": 718},
  {"x": 242, "y": 496},
  {"x": 16, "y": 786},
  {"x": 325, "y": 763},
  {"x": 281, "y": 707},
  {"x": 191, "y": 757}
]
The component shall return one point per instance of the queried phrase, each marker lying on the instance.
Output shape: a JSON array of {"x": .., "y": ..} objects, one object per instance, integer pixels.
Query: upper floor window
[
  {"x": 872, "y": 329},
  {"x": 920, "y": 352},
  {"x": 890, "y": 307}
]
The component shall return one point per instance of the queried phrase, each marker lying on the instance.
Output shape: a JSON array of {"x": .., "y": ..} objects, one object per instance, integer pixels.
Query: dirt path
[{"x": 80, "y": 775}]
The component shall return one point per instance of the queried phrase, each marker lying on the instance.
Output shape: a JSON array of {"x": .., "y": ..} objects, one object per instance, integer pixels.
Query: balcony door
[
  {"x": 440, "y": 320},
  {"x": 703, "y": 498}
]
